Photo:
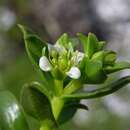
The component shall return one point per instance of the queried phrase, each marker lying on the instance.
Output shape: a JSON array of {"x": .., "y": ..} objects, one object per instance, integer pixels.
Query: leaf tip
[{"x": 21, "y": 27}]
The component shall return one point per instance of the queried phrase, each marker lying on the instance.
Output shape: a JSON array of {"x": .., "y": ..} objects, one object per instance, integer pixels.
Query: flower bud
[
  {"x": 98, "y": 56},
  {"x": 101, "y": 44},
  {"x": 94, "y": 72},
  {"x": 109, "y": 58}
]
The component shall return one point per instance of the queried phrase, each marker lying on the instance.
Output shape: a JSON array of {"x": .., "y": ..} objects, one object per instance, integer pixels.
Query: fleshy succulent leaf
[
  {"x": 69, "y": 109},
  {"x": 83, "y": 40},
  {"x": 74, "y": 42},
  {"x": 34, "y": 48},
  {"x": 90, "y": 43},
  {"x": 36, "y": 103},
  {"x": 98, "y": 56},
  {"x": 94, "y": 72},
  {"x": 109, "y": 57},
  {"x": 117, "y": 67},
  {"x": 33, "y": 44},
  {"x": 78, "y": 106},
  {"x": 11, "y": 114},
  {"x": 106, "y": 90},
  {"x": 63, "y": 40},
  {"x": 101, "y": 44},
  {"x": 67, "y": 112}
]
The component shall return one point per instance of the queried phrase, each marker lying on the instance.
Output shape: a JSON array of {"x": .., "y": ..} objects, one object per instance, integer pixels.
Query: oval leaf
[
  {"x": 33, "y": 44},
  {"x": 35, "y": 103},
  {"x": 106, "y": 90},
  {"x": 11, "y": 115},
  {"x": 90, "y": 43},
  {"x": 94, "y": 72},
  {"x": 117, "y": 67},
  {"x": 34, "y": 48},
  {"x": 67, "y": 112}
]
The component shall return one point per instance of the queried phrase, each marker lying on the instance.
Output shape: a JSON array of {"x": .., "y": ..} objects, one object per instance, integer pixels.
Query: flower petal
[
  {"x": 74, "y": 72},
  {"x": 77, "y": 57},
  {"x": 59, "y": 48},
  {"x": 44, "y": 64},
  {"x": 80, "y": 56},
  {"x": 51, "y": 47}
]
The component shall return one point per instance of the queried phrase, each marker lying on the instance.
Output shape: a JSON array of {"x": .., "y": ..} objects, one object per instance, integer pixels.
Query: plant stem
[
  {"x": 58, "y": 87},
  {"x": 73, "y": 86},
  {"x": 47, "y": 125}
]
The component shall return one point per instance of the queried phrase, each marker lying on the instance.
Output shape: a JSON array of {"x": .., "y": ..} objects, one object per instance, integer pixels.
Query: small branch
[{"x": 113, "y": 87}]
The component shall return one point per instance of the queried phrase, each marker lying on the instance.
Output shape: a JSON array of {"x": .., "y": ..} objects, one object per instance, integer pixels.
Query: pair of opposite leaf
[{"x": 63, "y": 71}]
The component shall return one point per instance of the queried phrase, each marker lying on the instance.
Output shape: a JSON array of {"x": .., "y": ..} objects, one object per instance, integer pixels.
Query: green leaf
[
  {"x": 98, "y": 56},
  {"x": 33, "y": 44},
  {"x": 109, "y": 57},
  {"x": 117, "y": 67},
  {"x": 66, "y": 114},
  {"x": 90, "y": 43},
  {"x": 101, "y": 44},
  {"x": 63, "y": 40},
  {"x": 106, "y": 90},
  {"x": 11, "y": 114},
  {"x": 67, "y": 42},
  {"x": 34, "y": 48},
  {"x": 83, "y": 40},
  {"x": 72, "y": 86},
  {"x": 94, "y": 72},
  {"x": 69, "y": 110},
  {"x": 36, "y": 103},
  {"x": 74, "y": 41}
]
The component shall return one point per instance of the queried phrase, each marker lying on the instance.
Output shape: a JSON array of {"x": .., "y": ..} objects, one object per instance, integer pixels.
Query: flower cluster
[{"x": 61, "y": 59}]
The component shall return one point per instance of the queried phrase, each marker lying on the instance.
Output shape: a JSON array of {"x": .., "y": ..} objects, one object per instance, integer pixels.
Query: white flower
[
  {"x": 77, "y": 58},
  {"x": 80, "y": 56},
  {"x": 44, "y": 64},
  {"x": 58, "y": 48},
  {"x": 74, "y": 73},
  {"x": 51, "y": 47}
]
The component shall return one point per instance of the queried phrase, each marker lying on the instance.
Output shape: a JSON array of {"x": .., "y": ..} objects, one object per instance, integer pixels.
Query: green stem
[
  {"x": 47, "y": 125},
  {"x": 58, "y": 87},
  {"x": 73, "y": 86},
  {"x": 100, "y": 92}
]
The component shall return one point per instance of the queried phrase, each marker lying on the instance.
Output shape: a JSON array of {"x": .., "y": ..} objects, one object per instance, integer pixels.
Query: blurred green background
[{"x": 108, "y": 19}]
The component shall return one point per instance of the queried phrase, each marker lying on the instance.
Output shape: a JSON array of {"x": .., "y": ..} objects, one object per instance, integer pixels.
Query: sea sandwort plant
[{"x": 64, "y": 71}]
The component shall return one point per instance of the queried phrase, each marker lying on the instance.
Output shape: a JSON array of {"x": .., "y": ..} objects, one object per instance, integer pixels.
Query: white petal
[
  {"x": 77, "y": 58},
  {"x": 74, "y": 73},
  {"x": 44, "y": 64},
  {"x": 80, "y": 56},
  {"x": 51, "y": 47},
  {"x": 59, "y": 48}
]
